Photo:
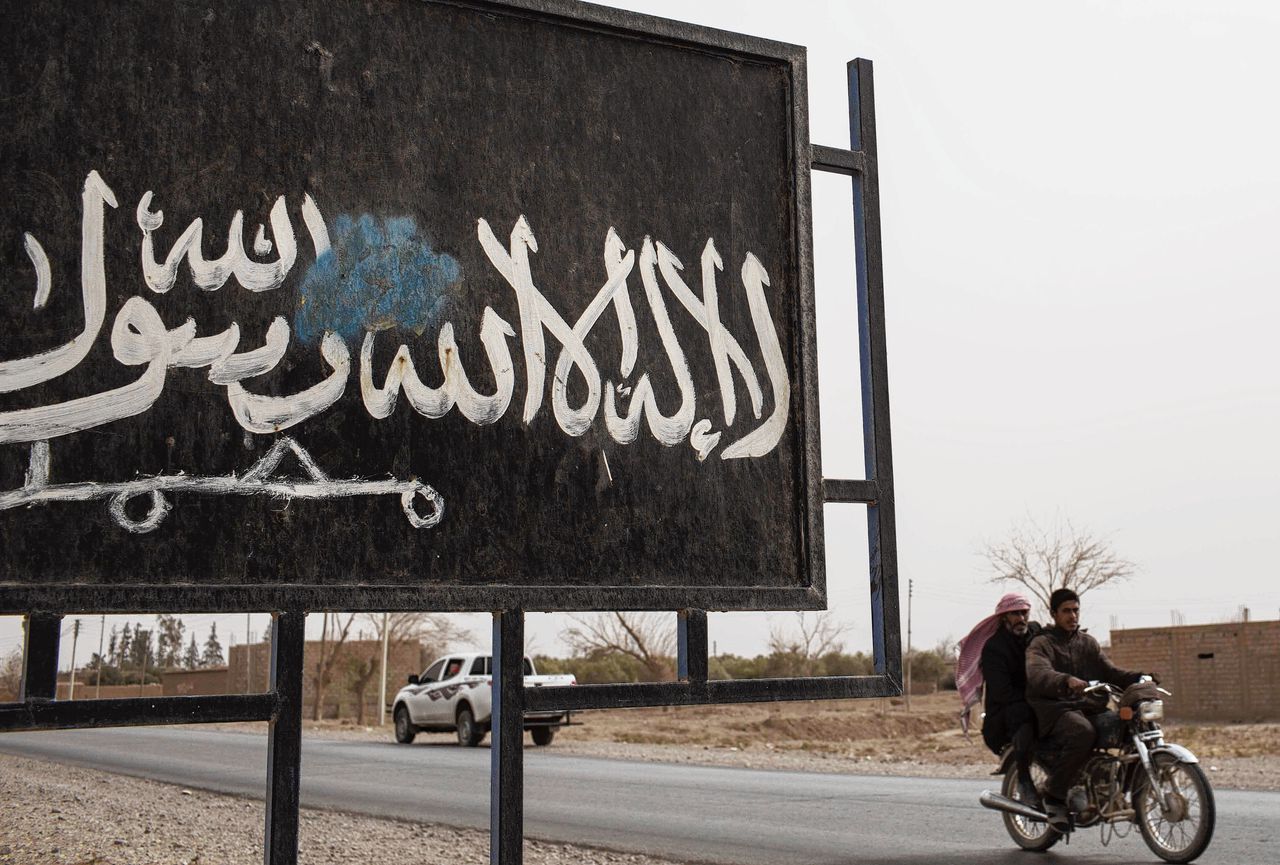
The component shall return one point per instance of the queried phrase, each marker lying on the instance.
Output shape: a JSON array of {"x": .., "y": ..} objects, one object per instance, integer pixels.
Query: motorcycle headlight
[{"x": 1152, "y": 710}]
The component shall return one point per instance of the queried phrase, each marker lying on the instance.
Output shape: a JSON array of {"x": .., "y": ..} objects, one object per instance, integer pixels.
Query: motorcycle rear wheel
[
  {"x": 1027, "y": 834},
  {"x": 1182, "y": 833}
]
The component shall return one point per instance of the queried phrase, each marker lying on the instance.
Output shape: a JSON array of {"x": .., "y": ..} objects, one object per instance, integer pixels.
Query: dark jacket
[
  {"x": 1052, "y": 659},
  {"x": 1004, "y": 670}
]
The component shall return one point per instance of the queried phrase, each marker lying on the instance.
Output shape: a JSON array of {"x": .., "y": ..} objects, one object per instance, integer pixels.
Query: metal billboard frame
[{"x": 281, "y": 706}]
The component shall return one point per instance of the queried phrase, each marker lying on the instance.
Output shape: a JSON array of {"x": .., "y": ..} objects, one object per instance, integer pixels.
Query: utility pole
[
  {"x": 910, "y": 592},
  {"x": 382, "y": 691},
  {"x": 102, "y": 633},
  {"x": 75, "y": 637},
  {"x": 142, "y": 677}
]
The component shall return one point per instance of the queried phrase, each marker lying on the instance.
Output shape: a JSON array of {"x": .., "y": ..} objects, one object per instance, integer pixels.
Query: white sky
[{"x": 1080, "y": 207}]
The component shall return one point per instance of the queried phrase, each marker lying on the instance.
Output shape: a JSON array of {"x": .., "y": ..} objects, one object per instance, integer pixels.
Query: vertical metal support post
[
  {"x": 506, "y": 755},
  {"x": 284, "y": 739},
  {"x": 691, "y": 637},
  {"x": 40, "y": 657},
  {"x": 872, "y": 350}
]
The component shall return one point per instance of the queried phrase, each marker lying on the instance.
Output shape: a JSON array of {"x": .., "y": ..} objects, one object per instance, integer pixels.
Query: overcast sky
[
  {"x": 1080, "y": 212},
  {"x": 1081, "y": 205}
]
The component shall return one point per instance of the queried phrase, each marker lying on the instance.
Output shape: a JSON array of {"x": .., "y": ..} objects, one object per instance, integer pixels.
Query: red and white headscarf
[{"x": 969, "y": 654}]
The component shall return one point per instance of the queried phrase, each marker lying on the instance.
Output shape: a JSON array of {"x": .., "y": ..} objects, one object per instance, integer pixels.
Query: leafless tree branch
[
  {"x": 438, "y": 633},
  {"x": 647, "y": 637},
  {"x": 1061, "y": 556},
  {"x": 810, "y": 637}
]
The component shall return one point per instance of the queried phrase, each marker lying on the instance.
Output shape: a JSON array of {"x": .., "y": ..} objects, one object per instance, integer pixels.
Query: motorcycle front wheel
[
  {"x": 1028, "y": 834},
  {"x": 1180, "y": 829}
]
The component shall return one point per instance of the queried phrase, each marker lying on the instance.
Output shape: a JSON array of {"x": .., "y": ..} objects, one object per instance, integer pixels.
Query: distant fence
[{"x": 1222, "y": 672}]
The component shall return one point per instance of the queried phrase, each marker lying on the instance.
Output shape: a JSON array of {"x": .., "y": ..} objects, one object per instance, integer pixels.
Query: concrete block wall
[
  {"x": 195, "y": 683},
  {"x": 85, "y": 690},
  {"x": 1220, "y": 672}
]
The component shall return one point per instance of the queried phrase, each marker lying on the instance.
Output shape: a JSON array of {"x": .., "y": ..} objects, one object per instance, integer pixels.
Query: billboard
[{"x": 390, "y": 305}]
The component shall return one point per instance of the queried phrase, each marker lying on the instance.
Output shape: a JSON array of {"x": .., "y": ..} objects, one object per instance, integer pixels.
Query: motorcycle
[{"x": 1132, "y": 776}]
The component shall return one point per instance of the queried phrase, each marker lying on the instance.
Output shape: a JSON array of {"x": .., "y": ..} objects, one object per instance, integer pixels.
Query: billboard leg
[
  {"x": 284, "y": 741},
  {"x": 40, "y": 657},
  {"x": 506, "y": 757},
  {"x": 691, "y": 639},
  {"x": 878, "y": 457}
]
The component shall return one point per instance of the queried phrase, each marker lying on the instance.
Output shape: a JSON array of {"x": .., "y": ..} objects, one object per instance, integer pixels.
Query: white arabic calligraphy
[
  {"x": 139, "y": 337},
  {"x": 259, "y": 480}
]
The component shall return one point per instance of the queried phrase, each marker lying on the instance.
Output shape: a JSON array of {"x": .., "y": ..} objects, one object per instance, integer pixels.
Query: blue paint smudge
[{"x": 376, "y": 276}]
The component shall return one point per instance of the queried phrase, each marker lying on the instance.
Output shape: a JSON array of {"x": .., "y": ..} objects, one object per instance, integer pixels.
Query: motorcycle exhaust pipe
[{"x": 1003, "y": 803}]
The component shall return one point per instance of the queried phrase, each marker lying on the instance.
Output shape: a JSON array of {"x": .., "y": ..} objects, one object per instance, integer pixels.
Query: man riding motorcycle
[{"x": 1060, "y": 663}]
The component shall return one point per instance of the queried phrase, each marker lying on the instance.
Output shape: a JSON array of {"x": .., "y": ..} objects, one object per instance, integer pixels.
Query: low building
[
  {"x": 249, "y": 672},
  {"x": 1221, "y": 672}
]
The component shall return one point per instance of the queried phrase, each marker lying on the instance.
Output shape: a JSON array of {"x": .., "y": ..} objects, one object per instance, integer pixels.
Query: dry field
[{"x": 878, "y": 728}]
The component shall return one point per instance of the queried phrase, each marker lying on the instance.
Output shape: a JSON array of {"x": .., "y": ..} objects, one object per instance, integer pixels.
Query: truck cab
[{"x": 455, "y": 693}]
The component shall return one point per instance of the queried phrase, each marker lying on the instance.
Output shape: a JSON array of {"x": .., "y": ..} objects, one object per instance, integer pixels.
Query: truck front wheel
[
  {"x": 405, "y": 730},
  {"x": 469, "y": 732},
  {"x": 542, "y": 736}
]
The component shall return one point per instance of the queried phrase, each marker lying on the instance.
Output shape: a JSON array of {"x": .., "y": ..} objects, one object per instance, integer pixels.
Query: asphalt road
[{"x": 740, "y": 816}]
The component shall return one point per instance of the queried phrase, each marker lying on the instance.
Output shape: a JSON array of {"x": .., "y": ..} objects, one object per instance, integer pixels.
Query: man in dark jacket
[
  {"x": 1007, "y": 718},
  {"x": 1060, "y": 663}
]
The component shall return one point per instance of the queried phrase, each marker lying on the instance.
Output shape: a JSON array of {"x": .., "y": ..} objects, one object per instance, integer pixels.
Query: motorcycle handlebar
[{"x": 1095, "y": 686}]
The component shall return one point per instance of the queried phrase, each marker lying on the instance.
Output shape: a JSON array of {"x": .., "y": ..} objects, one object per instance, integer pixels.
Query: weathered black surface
[
  {"x": 135, "y": 711},
  {"x": 446, "y": 114}
]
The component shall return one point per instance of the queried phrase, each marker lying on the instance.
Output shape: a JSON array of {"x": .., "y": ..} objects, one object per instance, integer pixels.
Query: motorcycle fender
[
  {"x": 1181, "y": 754},
  {"x": 1006, "y": 760}
]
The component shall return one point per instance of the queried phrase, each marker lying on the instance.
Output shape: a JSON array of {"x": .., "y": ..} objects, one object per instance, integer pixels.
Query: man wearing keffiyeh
[{"x": 995, "y": 653}]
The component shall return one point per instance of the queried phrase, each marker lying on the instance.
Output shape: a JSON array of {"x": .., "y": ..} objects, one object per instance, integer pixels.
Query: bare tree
[
  {"x": 650, "y": 638},
  {"x": 1061, "y": 556},
  {"x": 330, "y": 651},
  {"x": 437, "y": 632},
  {"x": 434, "y": 632},
  {"x": 11, "y": 676},
  {"x": 811, "y": 637},
  {"x": 360, "y": 672}
]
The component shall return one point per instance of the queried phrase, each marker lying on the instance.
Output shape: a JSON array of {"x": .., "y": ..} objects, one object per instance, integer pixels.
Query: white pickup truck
[{"x": 456, "y": 693}]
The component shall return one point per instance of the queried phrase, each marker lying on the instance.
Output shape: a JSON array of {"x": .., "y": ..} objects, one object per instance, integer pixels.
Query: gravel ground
[{"x": 63, "y": 815}]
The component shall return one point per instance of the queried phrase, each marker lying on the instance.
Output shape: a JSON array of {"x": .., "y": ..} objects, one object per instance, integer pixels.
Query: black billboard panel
[{"x": 403, "y": 305}]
